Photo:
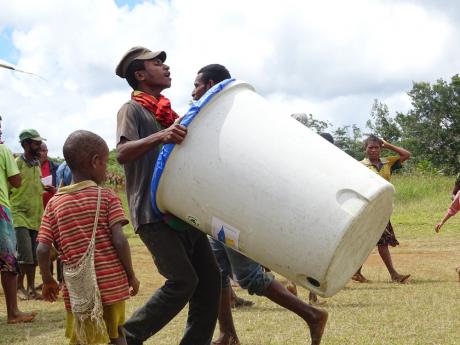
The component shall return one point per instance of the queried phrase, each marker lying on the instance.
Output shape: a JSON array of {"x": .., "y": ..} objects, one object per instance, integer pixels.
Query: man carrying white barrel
[
  {"x": 182, "y": 256},
  {"x": 249, "y": 274}
]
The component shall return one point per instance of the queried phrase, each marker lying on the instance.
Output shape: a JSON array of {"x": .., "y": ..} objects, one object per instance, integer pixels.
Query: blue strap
[{"x": 167, "y": 148}]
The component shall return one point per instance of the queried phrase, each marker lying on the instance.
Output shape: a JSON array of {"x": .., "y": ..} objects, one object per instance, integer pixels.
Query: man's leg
[
  {"x": 227, "y": 330},
  {"x": 173, "y": 262},
  {"x": 31, "y": 273},
  {"x": 204, "y": 304},
  {"x": 250, "y": 275},
  {"x": 27, "y": 261}
]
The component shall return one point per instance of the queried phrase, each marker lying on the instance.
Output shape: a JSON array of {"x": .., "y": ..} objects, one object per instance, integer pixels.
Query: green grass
[
  {"x": 423, "y": 312},
  {"x": 421, "y": 201}
]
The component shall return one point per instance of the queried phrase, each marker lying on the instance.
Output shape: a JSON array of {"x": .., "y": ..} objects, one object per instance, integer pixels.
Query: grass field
[{"x": 422, "y": 312}]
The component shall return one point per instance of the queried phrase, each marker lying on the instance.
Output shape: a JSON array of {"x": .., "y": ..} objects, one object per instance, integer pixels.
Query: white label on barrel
[{"x": 225, "y": 233}]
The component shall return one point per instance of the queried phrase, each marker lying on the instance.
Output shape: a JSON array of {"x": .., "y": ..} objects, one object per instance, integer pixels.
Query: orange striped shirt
[{"x": 68, "y": 224}]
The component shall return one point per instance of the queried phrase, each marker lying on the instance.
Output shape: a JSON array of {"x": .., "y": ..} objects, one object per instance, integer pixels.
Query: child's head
[{"x": 86, "y": 154}]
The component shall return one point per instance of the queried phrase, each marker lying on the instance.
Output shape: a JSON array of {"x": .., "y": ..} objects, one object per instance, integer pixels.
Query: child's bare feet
[
  {"x": 20, "y": 317},
  {"x": 400, "y": 278},
  {"x": 317, "y": 326}
]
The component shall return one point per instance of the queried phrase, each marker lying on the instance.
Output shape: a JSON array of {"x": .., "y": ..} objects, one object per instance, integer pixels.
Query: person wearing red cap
[{"x": 183, "y": 256}]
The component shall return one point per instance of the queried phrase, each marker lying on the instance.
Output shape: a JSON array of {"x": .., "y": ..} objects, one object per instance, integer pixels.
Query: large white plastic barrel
[{"x": 275, "y": 191}]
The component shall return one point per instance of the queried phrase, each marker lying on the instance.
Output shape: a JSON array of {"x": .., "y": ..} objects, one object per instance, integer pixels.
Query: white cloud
[{"x": 329, "y": 58}]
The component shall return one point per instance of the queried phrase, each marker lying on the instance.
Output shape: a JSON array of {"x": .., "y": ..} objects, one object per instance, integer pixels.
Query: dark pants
[{"x": 186, "y": 261}]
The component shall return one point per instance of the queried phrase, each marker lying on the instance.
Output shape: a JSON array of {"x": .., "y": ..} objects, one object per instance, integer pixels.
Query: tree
[
  {"x": 307, "y": 120},
  {"x": 431, "y": 129},
  {"x": 350, "y": 141},
  {"x": 382, "y": 124}
]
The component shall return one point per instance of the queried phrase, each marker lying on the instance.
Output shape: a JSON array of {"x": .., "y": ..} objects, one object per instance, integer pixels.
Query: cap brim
[
  {"x": 38, "y": 139},
  {"x": 152, "y": 55}
]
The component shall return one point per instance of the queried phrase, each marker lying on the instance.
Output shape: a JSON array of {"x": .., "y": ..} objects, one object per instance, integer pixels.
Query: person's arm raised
[
  {"x": 131, "y": 150},
  {"x": 404, "y": 154}
]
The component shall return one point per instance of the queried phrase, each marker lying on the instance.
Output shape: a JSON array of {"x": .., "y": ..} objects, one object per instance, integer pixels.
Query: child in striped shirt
[{"x": 68, "y": 224}]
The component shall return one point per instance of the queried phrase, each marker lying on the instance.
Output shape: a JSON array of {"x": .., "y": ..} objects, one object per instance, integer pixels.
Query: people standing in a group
[
  {"x": 27, "y": 210},
  {"x": 182, "y": 256},
  {"x": 249, "y": 274},
  {"x": 384, "y": 166},
  {"x": 9, "y": 267},
  {"x": 87, "y": 212}
]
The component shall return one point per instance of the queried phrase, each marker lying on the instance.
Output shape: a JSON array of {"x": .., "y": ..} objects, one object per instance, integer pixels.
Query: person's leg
[
  {"x": 204, "y": 304},
  {"x": 25, "y": 258},
  {"x": 31, "y": 271},
  {"x": 315, "y": 318},
  {"x": 227, "y": 329},
  {"x": 173, "y": 263},
  {"x": 114, "y": 318},
  {"x": 358, "y": 277},
  {"x": 14, "y": 315},
  {"x": 386, "y": 257},
  {"x": 21, "y": 290},
  {"x": 227, "y": 332},
  {"x": 121, "y": 340},
  {"x": 250, "y": 275},
  {"x": 237, "y": 301}
]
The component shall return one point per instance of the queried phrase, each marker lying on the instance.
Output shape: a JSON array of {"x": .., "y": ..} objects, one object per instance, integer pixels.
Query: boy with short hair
[{"x": 68, "y": 223}]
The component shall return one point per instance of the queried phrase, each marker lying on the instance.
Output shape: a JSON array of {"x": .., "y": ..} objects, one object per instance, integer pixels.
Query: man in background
[
  {"x": 249, "y": 274},
  {"x": 27, "y": 210}
]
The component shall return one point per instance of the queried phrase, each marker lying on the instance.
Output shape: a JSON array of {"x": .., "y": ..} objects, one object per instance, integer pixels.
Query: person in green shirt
[
  {"x": 9, "y": 268},
  {"x": 27, "y": 208}
]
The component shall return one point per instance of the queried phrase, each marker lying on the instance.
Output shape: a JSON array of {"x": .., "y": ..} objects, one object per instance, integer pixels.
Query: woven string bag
[{"x": 85, "y": 297}]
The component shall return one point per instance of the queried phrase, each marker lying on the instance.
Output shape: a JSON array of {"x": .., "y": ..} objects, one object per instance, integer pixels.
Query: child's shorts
[{"x": 114, "y": 317}]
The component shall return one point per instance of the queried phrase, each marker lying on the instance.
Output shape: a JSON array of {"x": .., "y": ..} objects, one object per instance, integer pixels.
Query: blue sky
[
  {"x": 331, "y": 59},
  {"x": 130, "y": 3},
  {"x": 7, "y": 50}
]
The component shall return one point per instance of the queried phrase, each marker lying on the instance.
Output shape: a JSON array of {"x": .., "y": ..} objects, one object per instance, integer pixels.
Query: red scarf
[{"x": 160, "y": 107}]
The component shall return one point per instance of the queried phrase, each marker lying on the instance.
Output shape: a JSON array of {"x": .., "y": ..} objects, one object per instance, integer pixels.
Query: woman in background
[{"x": 384, "y": 167}]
